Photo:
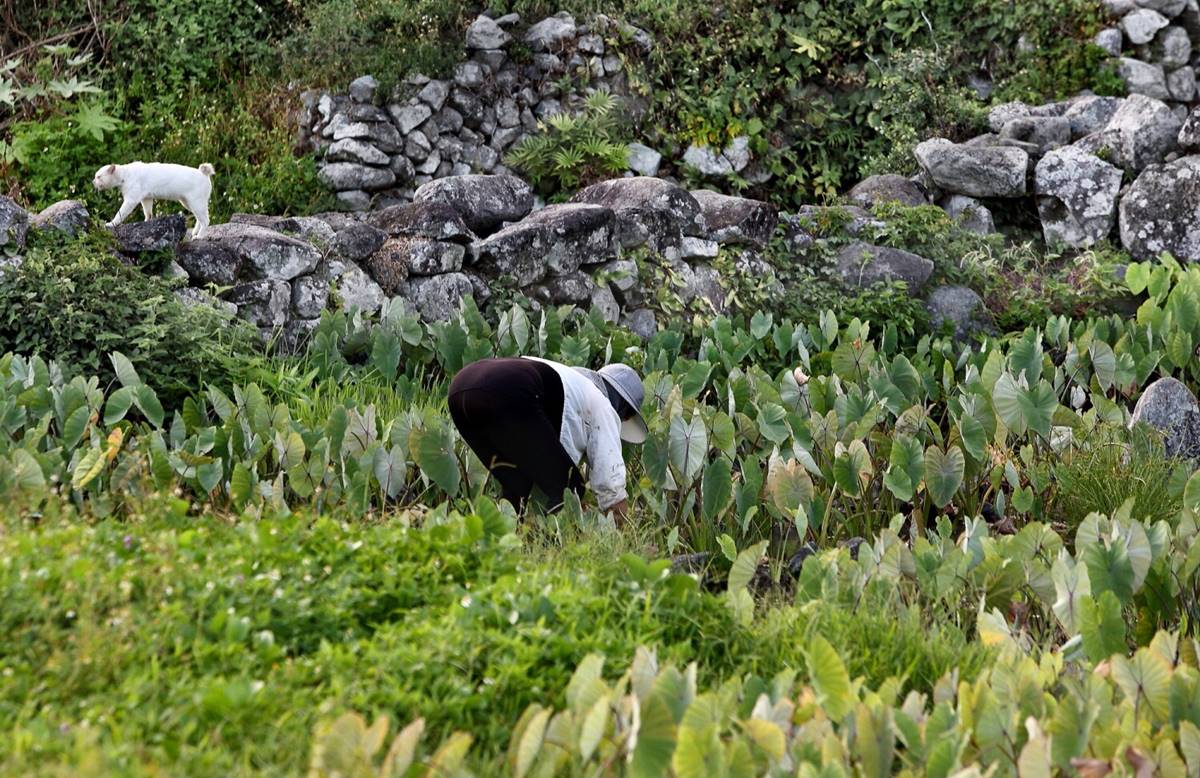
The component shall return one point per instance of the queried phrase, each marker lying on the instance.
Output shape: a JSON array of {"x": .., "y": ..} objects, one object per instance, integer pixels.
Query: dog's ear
[{"x": 111, "y": 169}]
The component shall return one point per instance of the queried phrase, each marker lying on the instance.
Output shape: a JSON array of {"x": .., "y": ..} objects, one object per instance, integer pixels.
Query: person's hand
[{"x": 620, "y": 512}]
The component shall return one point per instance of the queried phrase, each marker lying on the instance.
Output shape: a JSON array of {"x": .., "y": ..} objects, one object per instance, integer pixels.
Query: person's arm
[{"x": 606, "y": 463}]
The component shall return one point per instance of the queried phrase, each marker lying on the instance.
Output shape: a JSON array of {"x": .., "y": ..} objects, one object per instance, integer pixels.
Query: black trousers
[{"x": 509, "y": 411}]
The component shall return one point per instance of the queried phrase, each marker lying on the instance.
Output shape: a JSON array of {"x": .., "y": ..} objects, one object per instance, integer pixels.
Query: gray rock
[
  {"x": 1044, "y": 132},
  {"x": 402, "y": 168},
  {"x": 547, "y": 63},
  {"x": 383, "y": 135},
  {"x": 812, "y": 220},
  {"x": 969, "y": 213},
  {"x": 470, "y": 75},
  {"x": 507, "y": 112},
  {"x": 484, "y": 33},
  {"x": 366, "y": 113},
  {"x": 268, "y": 254},
  {"x": 433, "y": 220},
  {"x": 737, "y": 220},
  {"x": 1142, "y": 25},
  {"x": 643, "y": 160},
  {"x": 1189, "y": 133},
  {"x": 450, "y": 120},
  {"x": 161, "y": 234},
  {"x": 356, "y": 242},
  {"x": 295, "y": 335},
  {"x": 315, "y": 231},
  {"x": 483, "y": 202},
  {"x": 1181, "y": 84},
  {"x": 310, "y": 296},
  {"x": 263, "y": 303},
  {"x": 505, "y": 137},
  {"x": 355, "y": 289},
  {"x": 1119, "y": 8},
  {"x": 67, "y": 216},
  {"x": 605, "y": 303},
  {"x": 706, "y": 286},
  {"x": 191, "y": 297},
  {"x": 557, "y": 239},
  {"x": 1143, "y": 78},
  {"x": 354, "y": 200},
  {"x": 1002, "y": 114},
  {"x": 1160, "y": 210},
  {"x": 491, "y": 59},
  {"x": 1076, "y": 197},
  {"x": 978, "y": 171},
  {"x": 362, "y": 89},
  {"x": 431, "y": 164},
  {"x": 641, "y": 323},
  {"x": 437, "y": 298},
  {"x": 209, "y": 262},
  {"x": 1171, "y": 8},
  {"x": 410, "y": 117},
  {"x": 886, "y": 188},
  {"x": 398, "y": 259},
  {"x": 649, "y": 211},
  {"x": 417, "y": 147},
  {"x": 352, "y": 150},
  {"x": 1172, "y": 47},
  {"x": 433, "y": 94},
  {"x": 707, "y": 161},
  {"x": 861, "y": 265},
  {"x": 698, "y": 248},
  {"x": 1163, "y": 404},
  {"x": 14, "y": 225},
  {"x": 961, "y": 308},
  {"x": 1110, "y": 39},
  {"x": 345, "y": 176},
  {"x": 570, "y": 289},
  {"x": 738, "y": 153},
  {"x": 551, "y": 33},
  {"x": 1145, "y": 131},
  {"x": 622, "y": 278},
  {"x": 1090, "y": 114}
]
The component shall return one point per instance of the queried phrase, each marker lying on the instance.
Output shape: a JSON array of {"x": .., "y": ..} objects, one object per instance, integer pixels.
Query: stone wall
[
  {"x": 374, "y": 151},
  {"x": 1157, "y": 43}
]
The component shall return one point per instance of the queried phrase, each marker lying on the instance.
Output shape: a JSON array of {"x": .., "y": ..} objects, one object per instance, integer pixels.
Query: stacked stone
[
  {"x": 434, "y": 128},
  {"x": 1158, "y": 46}
]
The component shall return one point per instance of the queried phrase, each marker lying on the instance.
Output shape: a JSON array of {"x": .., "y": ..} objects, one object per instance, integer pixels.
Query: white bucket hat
[{"x": 625, "y": 381}]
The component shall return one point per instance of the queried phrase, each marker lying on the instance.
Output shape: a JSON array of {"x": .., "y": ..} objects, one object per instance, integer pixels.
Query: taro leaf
[
  {"x": 852, "y": 359},
  {"x": 688, "y": 446},
  {"x": 906, "y": 467},
  {"x": 1179, "y": 348},
  {"x": 527, "y": 739},
  {"x": 208, "y": 475},
  {"x": 1145, "y": 680},
  {"x": 289, "y": 450},
  {"x": 27, "y": 471},
  {"x": 594, "y": 724},
  {"x": 829, "y": 678},
  {"x": 1104, "y": 364},
  {"x": 943, "y": 473},
  {"x": 760, "y": 325},
  {"x": 124, "y": 369},
  {"x": 435, "y": 455},
  {"x": 1071, "y": 585},
  {"x": 391, "y": 470},
  {"x": 90, "y": 465},
  {"x": 385, "y": 355},
  {"x": 874, "y": 740},
  {"x": 1102, "y": 627},
  {"x": 727, "y": 546},
  {"x": 716, "y": 488},
  {"x": 1025, "y": 357},
  {"x": 587, "y": 672},
  {"x": 788, "y": 485},
  {"x": 1023, "y": 409},
  {"x": 724, "y": 434},
  {"x": 829, "y": 328},
  {"x": 745, "y": 566},
  {"x": 852, "y": 469},
  {"x": 773, "y": 424},
  {"x": 698, "y": 754},
  {"x": 449, "y": 758},
  {"x": 1109, "y": 568},
  {"x": 75, "y": 426},
  {"x": 1137, "y": 276},
  {"x": 241, "y": 485},
  {"x": 695, "y": 379},
  {"x": 655, "y": 459},
  {"x": 655, "y": 741},
  {"x": 767, "y": 736},
  {"x": 118, "y": 404},
  {"x": 147, "y": 402},
  {"x": 1189, "y": 743},
  {"x": 1191, "y": 493},
  {"x": 974, "y": 437}
]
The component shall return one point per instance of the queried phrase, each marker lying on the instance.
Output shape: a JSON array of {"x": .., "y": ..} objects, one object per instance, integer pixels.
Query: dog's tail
[{"x": 208, "y": 170}]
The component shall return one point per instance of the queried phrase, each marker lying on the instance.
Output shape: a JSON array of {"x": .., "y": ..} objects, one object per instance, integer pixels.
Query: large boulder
[
  {"x": 960, "y": 308},
  {"x": 263, "y": 303},
  {"x": 433, "y": 220},
  {"x": 484, "y": 33},
  {"x": 1143, "y": 78},
  {"x": 310, "y": 296},
  {"x": 1044, "y": 132},
  {"x": 209, "y": 261},
  {"x": 1161, "y": 210},
  {"x": 558, "y": 239},
  {"x": 572, "y": 288},
  {"x": 1090, "y": 114},
  {"x": 1142, "y": 25},
  {"x": 978, "y": 171},
  {"x": 1076, "y": 196},
  {"x": 1169, "y": 406},
  {"x": 1143, "y": 130},
  {"x": 483, "y": 202},
  {"x": 161, "y": 234},
  {"x": 14, "y": 225},
  {"x": 861, "y": 265},
  {"x": 969, "y": 214},
  {"x": 884, "y": 189},
  {"x": 267, "y": 253},
  {"x": 357, "y": 241},
  {"x": 737, "y": 220},
  {"x": 355, "y": 289},
  {"x": 67, "y": 216},
  {"x": 551, "y": 33},
  {"x": 649, "y": 211},
  {"x": 437, "y": 298}
]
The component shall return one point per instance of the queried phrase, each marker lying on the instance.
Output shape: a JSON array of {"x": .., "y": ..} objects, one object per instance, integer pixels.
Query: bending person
[{"x": 531, "y": 421}]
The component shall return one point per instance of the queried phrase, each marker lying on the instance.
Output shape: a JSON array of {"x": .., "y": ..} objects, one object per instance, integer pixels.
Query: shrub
[
  {"x": 574, "y": 151},
  {"x": 75, "y": 302}
]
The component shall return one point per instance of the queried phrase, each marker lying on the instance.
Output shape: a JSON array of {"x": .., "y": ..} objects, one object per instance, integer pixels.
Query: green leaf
[
  {"x": 241, "y": 484},
  {"x": 716, "y": 488},
  {"x": 91, "y": 119},
  {"x": 728, "y": 547},
  {"x": 745, "y": 566},
  {"x": 75, "y": 426},
  {"x": 385, "y": 355},
  {"x": 1145, "y": 681},
  {"x": 90, "y": 465},
  {"x": 594, "y": 724},
  {"x": 655, "y": 741},
  {"x": 449, "y": 758},
  {"x": 1102, "y": 627},
  {"x": 28, "y": 473},
  {"x": 1022, "y": 409},
  {"x": 688, "y": 446},
  {"x": 124, "y": 369},
  {"x": 906, "y": 467},
  {"x": 1109, "y": 568},
  {"x": 852, "y": 468},
  {"x": 147, "y": 402},
  {"x": 943, "y": 473},
  {"x": 829, "y": 678},
  {"x": 435, "y": 456},
  {"x": 788, "y": 485},
  {"x": 118, "y": 404},
  {"x": 528, "y": 741}
]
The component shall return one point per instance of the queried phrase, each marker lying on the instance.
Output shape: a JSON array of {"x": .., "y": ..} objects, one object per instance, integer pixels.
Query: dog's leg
[
  {"x": 127, "y": 207},
  {"x": 199, "y": 209},
  {"x": 148, "y": 208}
]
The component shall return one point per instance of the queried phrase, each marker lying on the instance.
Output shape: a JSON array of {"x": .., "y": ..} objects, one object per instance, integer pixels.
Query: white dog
[{"x": 145, "y": 182}]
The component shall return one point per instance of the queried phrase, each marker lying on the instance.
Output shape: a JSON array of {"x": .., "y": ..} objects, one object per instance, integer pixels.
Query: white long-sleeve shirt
[{"x": 591, "y": 428}]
